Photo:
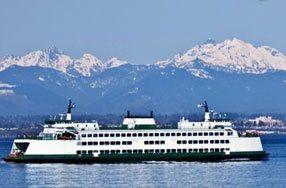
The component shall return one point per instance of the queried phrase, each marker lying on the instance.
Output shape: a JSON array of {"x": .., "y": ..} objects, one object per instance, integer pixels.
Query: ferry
[{"x": 138, "y": 139}]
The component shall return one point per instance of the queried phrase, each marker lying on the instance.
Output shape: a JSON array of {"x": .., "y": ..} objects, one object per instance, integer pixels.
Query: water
[{"x": 270, "y": 173}]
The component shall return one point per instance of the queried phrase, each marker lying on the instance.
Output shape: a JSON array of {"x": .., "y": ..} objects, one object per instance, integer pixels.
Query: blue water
[{"x": 270, "y": 173}]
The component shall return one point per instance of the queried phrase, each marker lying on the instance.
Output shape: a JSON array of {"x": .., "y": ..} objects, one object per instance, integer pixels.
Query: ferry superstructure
[{"x": 138, "y": 139}]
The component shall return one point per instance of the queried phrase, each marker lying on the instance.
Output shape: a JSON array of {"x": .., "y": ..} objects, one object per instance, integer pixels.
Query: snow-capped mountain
[
  {"x": 233, "y": 76},
  {"x": 231, "y": 55},
  {"x": 53, "y": 58}
]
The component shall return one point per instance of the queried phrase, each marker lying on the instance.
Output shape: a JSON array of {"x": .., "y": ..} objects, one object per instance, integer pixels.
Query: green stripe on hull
[{"x": 131, "y": 158}]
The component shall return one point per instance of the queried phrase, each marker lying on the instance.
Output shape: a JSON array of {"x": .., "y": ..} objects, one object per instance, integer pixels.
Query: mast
[
  {"x": 69, "y": 111},
  {"x": 207, "y": 112}
]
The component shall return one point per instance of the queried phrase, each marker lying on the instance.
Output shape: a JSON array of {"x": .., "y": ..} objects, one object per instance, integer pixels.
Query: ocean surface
[{"x": 269, "y": 173}]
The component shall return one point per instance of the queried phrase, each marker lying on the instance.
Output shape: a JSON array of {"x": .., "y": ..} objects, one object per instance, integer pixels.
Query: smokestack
[
  {"x": 151, "y": 114},
  {"x": 128, "y": 113}
]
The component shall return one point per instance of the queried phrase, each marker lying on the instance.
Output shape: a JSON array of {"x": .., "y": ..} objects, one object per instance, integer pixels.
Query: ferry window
[
  {"x": 168, "y": 151},
  {"x": 195, "y": 134},
  {"x": 100, "y": 135},
  {"x": 157, "y": 142},
  {"x": 206, "y": 150},
  {"x": 205, "y": 134},
  {"x": 83, "y": 135},
  {"x": 95, "y": 143},
  {"x": 167, "y": 134},
  {"x": 184, "y": 141},
  {"x": 173, "y": 150},
  {"x": 111, "y": 135},
  {"x": 161, "y": 134},
  {"x": 178, "y": 134},
  {"x": 184, "y": 150},
  {"x": 117, "y": 135},
  {"x": 78, "y": 152},
  {"x": 184, "y": 134},
  {"x": 222, "y": 150},
  {"x": 211, "y": 150},
  {"x": 216, "y": 133},
  {"x": 150, "y": 134},
  {"x": 227, "y": 141},
  {"x": 221, "y": 133},
  {"x": 145, "y": 142},
  {"x": 211, "y": 141},
  {"x": 94, "y": 135},
  {"x": 106, "y": 143},
  {"x": 101, "y": 143},
  {"x": 83, "y": 143},
  {"x": 117, "y": 151},
  {"x": 179, "y": 150},
  {"x": 151, "y": 142},
  {"x": 123, "y": 142},
  {"x": 89, "y": 135},
  {"x": 200, "y": 134},
  {"x": 146, "y": 151},
  {"x": 195, "y": 150},
  {"x": 195, "y": 141},
  {"x": 145, "y": 134},
  {"x": 89, "y": 151},
  {"x": 217, "y": 141},
  {"x": 83, "y": 152},
  {"x": 106, "y": 135},
  {"x": 124, "y": 151},
  {"x": 222, "y": 141},
  {"x": 190, "y": 141},
  {"x": 112, "y": 151},
  {"x": 123, "y": 135},
  {"x": 112, "y": 143},
  {"x": 162, "y": 142},
  {"x": 129, "y": 151},
  {"x": 211, "y": 133},
  {"x": 134, "y": 151},
  {"x": 173, "y": 134},
  {"x": 106, "y": 151},
  {"x": 140, "y": 151},
  {"x": 139, "y": 134},
  {"x": 189, "y": 134},
  {"x": 201, "y": 141},
  {"x": 117, "y": 142},
  {"x": 200, "y": 150},
  {"x": 229, "y": 133},
  {"x": 216, "y": 150},
  {"x": 134, "y": 134},
  {"x": 156, "y": 134},
  {"x": 129, "y": 142},
  {"x": 162, "y": 151},
  {"x": 206, "y": 141},
  {"x": 190, "y": 150},
  {"x": 179, "y": 142},
  {"x": 157, "y": 151},
  {"x": 89, "y": 143}
]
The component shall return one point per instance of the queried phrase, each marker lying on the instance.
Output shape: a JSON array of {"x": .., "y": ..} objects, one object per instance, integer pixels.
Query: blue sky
[{"x": 137, "y": 31}]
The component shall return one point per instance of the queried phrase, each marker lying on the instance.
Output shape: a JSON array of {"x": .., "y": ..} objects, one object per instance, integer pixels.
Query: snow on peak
[
  {"x": 55, "y": 59},
  {"x": 114, "y": 62},
  {"x": 231, "y": 55}
]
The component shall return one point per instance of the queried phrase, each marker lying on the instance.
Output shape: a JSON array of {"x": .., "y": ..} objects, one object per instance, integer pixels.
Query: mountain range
[{"x": 233, "y": 75}]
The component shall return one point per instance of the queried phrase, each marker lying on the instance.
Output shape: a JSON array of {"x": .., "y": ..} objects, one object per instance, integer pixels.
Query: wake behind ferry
[{"x": 137, "y": 139}]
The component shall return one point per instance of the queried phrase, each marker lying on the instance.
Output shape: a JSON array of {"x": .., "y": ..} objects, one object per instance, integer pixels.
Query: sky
[{"x": 141, "y": 32}]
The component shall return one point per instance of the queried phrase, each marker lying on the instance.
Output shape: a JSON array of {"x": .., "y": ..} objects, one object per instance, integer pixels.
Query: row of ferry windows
[
  {"x": 151, "y": 142},
  {"x": 153, "y": 151},
  {"x": 106, "y": 143},
  {"x": 155, "y": 134},
  {"x": 203, "y": 141}
]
